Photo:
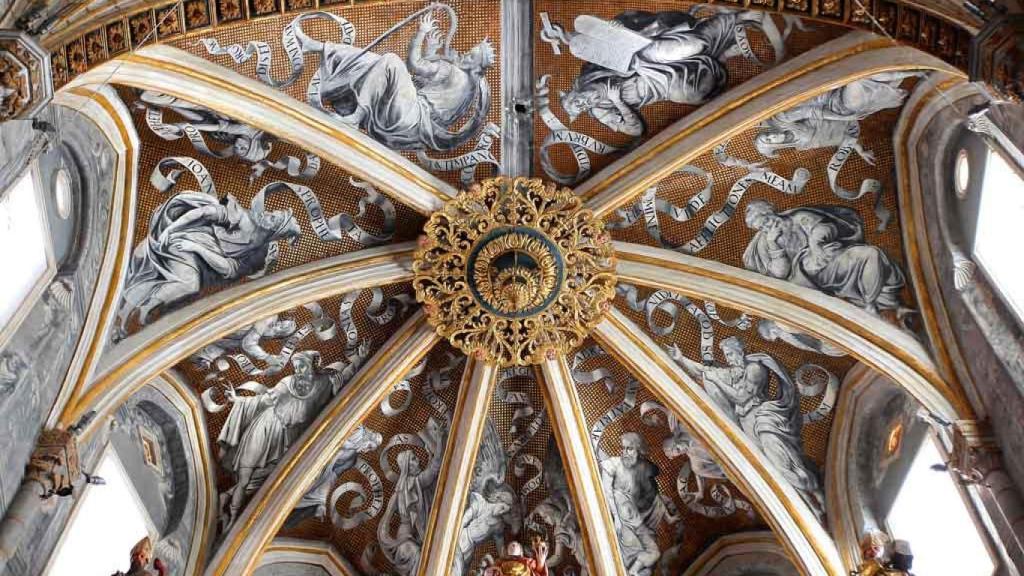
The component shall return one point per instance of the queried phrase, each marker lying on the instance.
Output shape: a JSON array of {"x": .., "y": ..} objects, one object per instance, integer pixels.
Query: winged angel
[{"x": 406, "y": 103}]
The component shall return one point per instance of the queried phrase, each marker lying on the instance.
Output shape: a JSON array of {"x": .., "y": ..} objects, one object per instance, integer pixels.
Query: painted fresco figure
[
  {"x": 402, "y": 527},
  {"x": 630, "y": 485},
  {"x": 740, "y": 388},
  {"x": 260, "y": 429},
  {"x": 639, "y": 58},
  {"x": 314, "y": 501},
  {"x": 828, "y": 119},
  {"x": 196, "y": 241},
  {"x": 822, "y": 247},
  {"x": 408, "y": 104},
  {"x": 248, "y": 340}
]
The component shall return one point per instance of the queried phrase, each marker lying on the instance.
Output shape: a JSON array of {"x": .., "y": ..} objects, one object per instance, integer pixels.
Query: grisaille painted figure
[
  {"x": 640, "y": 58},
  {"x": 410, "y": 103},
  {"x": 314, "y": 501},
  {"x": 558, "y": 514},
  {"x": 773, "y": 424},
  {"x": 196, "y": 241},
  {"x": 491, "y": 505},
  {"x": 631, "y": 488},
  {"x": 822, "y": 247},
  {"x": 402, "y": 526},
  {"x": 827, "y": 120},
  {"x": 248, "y": 340},
  {"x": 771, "y": 331},
  {"x": 259, "y": 429}
]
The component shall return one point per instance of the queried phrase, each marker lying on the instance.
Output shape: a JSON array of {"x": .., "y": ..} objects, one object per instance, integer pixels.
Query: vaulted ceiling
[{"x": 316, "y": 147}]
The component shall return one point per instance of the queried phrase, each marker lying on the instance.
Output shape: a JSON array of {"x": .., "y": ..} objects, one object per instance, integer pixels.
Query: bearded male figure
[
  {"x": 630, "y": 485},
  {"x": 261, "y": 428},
  {"x": 822, "y": 247},
  {"x": 408, "y": 104},
  {"x": 740, "y": 388},
  {"x": 141, "y": 556}
]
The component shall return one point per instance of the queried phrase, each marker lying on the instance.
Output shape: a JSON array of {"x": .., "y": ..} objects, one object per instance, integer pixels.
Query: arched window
[
  {"x": 1000, "y": 212},
  {"x": 930, "y": 512},
  {"x": 25, "y": 251},
  {"x": 106, "y": 523}
]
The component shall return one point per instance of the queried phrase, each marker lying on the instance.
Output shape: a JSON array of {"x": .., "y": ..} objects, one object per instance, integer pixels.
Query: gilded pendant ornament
[{"x": 513, "y": 271}]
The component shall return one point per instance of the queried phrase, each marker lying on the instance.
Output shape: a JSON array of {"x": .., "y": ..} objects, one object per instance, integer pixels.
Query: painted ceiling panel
[
  {"x": 421, "y": 78},
  {"x": 272, "y": 407},
  {"x": 519, "y": 489},
  {"x": 221, "y": 203},
  {"x": 825, "y": 169},
  {"x": 373, "y": 502},
  {"x": 612, "y": 74},
  {"x": 673, "y": 500}
]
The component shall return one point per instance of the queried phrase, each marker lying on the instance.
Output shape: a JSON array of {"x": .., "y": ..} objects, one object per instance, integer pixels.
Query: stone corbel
[{"x": 975, "y": 454}]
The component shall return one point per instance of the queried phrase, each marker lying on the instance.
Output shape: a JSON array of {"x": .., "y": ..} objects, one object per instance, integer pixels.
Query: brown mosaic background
[
  {"x": 359, "y": 545},
  {"x": 565, "y": 69},
  {"x": 694, "y": 532},
  {"x": 732, "y": 238},
  {"x": 331, "y": 351},
  {"x": 476, "y": 21},
  {"x": 231, "y": 176}
]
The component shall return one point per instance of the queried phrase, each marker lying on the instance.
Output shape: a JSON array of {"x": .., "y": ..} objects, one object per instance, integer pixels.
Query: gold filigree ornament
[{"x": 514, "y": 271}]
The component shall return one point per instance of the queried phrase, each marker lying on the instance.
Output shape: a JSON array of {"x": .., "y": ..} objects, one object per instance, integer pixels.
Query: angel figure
[
  {"x": 314, "y": 501},
  {"x": 249, "y": 340},
  {"x": 409, "y": 104}
]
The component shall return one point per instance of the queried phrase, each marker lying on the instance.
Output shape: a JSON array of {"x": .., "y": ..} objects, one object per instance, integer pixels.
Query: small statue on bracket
[
  {"x": 875, "y": 561},
  {"x": 141, "y": 555},
  {"x": 516, "y": 563}
]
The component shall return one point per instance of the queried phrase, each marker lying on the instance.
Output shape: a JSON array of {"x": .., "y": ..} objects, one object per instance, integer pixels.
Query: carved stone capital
[
  {"x": 975, "y": 452},
  {"x": 54, "y": 464},
  {"x": 25, "y": 77}
]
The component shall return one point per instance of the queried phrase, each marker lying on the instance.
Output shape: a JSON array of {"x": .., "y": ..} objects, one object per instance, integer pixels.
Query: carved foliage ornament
[
  {"x": 513, "y": 271},
  {"x": 25, "y": 84}
]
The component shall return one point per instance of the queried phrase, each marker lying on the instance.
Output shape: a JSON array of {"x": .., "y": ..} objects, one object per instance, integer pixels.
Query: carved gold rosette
[{"x": 513, "y": 271}]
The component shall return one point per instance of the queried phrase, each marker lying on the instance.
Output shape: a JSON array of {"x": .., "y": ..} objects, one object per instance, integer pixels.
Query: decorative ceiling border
[{"x": 77, "y": 49}]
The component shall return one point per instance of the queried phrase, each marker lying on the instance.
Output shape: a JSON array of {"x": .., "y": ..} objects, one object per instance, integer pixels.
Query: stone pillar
[
  {"x": 52, "y": 470},
  {"x": 976, "y": 459}
]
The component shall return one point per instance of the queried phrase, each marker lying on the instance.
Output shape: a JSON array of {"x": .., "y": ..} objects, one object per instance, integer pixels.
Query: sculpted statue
[
  {"x": 409, "y": 104},
  {"x": 249, "y": 340},
  {"x": 822, "y": 247},
  {"x": 630, "y": 485},
  {"x": 876, "y": 562},
  {"x": 740, "y": 388},
  {"x": 403, "y": 524},
  {"x": 259, "y": 429},
  {"x": 516, "y": 563},
  {"x": 196, "y": 241},
  {"x": 141, "y": 556},
  {"x": 640, "y": 58}
]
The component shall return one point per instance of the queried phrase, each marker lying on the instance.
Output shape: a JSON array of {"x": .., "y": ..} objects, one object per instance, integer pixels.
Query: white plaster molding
[
  {"x": 181, "y": 395},
  {"x": 173, "y": 71},
  {"x": 841, "y": 504},
  {"x": 569, "y": 425},
  {"x": 268, "y": 508},
  {"x": 779, "y": 504},
  {"x": 872, "y": 340},
  {"x": 104, "y": 108},
  {"x": 174, "y": 336},
  {"x": 446, "y": 512},
  {"x": 739, "y": 545},
  {"x": 831, "y": 65},
  {"x": 313, "y": 552}
]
